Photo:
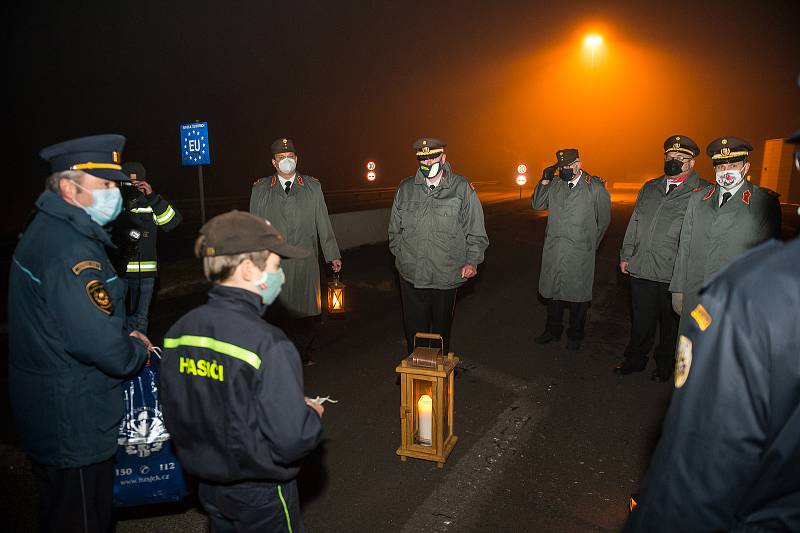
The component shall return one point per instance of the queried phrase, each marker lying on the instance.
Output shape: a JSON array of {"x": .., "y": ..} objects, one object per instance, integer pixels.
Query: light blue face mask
[
  {"x": 106, "y": 204},
  {"x": 269, "y": 286}
]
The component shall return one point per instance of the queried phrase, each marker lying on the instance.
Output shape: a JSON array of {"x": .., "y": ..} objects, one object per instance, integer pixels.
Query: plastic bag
[{"x": 147, "y": 470}]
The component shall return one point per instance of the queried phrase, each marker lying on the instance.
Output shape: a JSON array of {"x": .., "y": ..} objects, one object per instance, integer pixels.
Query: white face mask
[
  {"x": 287, "y": 165},
  {"x": 728, "y": 179}
]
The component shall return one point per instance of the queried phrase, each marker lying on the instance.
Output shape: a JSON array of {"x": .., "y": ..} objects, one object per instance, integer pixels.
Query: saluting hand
[
  {"x": 336, "y": 264},
  {"x": 469, "y": 271}
]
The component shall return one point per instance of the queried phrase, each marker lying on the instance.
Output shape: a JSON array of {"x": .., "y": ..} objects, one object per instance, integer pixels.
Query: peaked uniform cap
[{"x": 98, "y": 155}]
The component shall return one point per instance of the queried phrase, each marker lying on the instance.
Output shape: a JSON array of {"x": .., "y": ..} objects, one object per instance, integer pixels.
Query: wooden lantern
[
  {"x": 336, "y": 300},
  {"x": 426, "y": 403}
]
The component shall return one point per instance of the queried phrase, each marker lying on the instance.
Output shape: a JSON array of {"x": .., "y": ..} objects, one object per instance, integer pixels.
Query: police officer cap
[
  {"x": 283, "y": 145},
  {"x": 428, "y": 147},
  {"x": 237, "y": 232},
  {"x": 681, "y": 144},
  {"x": 728, "y": 150},
  {"x": 135, "y": 167},
  {"x": 98, "y": 155},
  {"x": 567, "y": 156}
]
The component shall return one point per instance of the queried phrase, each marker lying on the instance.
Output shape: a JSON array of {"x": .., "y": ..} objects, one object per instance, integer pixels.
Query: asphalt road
[{"x": 549, "y": 440}]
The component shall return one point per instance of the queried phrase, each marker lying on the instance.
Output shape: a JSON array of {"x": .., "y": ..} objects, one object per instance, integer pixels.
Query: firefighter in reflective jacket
[
  {"x": 135, "y": 233},
  {"x": 232, "y": 384}
]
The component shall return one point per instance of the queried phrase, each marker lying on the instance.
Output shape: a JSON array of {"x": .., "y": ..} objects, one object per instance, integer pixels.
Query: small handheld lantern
[
  {"x": 426, "y": 402},
  {"x": 336, "y": 300}
]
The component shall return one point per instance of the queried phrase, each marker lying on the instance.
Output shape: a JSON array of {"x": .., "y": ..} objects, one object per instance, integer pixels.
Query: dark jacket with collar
[
  {"x": 232, "y": 393},
  {"x": 713, "y": 236},
  {"x": 651, "y": 240},
  {"x": 434, "y": 233},
  {"x": 729, "y": 454},
  {"x": 70, "y": 350}
]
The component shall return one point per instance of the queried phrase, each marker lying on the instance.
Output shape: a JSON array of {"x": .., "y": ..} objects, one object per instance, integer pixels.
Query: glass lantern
[
  {"x": 336, "y": 296},
  {"x": 426, "y": 403}
]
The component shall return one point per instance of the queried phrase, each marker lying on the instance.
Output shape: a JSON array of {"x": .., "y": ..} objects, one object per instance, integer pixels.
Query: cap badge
[
  {"x": 210, "y": 251},
  {"x": 425, "y": 149},
  {"x": 115, "y": 157},
  {"x": 677, "y": 138},
  {"x": 725, "y": 151},
  {"x": 724, "y": 141},
  {"x": 424, "y": 142},
  {"x": 676, "y": 145}
]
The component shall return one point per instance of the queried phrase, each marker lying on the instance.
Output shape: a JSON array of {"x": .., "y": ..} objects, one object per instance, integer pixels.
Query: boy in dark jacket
[{"x": 232, "y": 384}]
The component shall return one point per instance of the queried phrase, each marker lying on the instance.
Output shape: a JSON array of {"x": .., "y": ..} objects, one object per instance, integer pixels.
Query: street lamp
[{"x": 592, "y": 42}]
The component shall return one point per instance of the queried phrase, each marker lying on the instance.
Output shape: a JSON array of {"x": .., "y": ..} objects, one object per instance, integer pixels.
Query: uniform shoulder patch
[
  {"x": 80, "y": 266},
  {"x": 697, "y": 189},
  {"x": 702, "y": 317},
  {"x": 710, "y": 193},
  {"x": 746, "y": 197},
  {"x": 98, "y": 295},
  {"x": 683, "y": 361}
]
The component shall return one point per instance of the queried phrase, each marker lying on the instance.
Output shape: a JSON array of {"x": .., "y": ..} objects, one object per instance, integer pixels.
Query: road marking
[{"x": 456, "y": 503}]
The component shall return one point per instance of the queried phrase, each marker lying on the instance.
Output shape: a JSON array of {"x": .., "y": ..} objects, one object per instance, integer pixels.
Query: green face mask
[{"x": 269, "y": 286}]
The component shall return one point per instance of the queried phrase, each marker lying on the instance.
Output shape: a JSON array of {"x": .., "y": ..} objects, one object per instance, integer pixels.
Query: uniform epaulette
[
  {"x": 710, "y": 193},
  {"x": 698, "y": 189},
  {"x": 598, "y": 179},
  {"x": 257, "y": 180},
  {"x": 770, "y": 192}
]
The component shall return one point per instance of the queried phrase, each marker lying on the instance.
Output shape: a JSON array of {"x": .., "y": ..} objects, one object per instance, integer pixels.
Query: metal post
[
  {"x": 202, "y": 194},
  {"x": 520, "y": 192}
]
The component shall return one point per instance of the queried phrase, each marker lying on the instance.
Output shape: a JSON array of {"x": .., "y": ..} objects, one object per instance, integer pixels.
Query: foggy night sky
[{"x": 501, "y": 82}]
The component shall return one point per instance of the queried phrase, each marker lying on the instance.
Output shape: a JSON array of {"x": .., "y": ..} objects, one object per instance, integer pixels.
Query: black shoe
[
  {"x": 628, "y": 367},
  {"x": 546, "y": 337},
  {"x": 661, "y": 375},
  {"x": 573, "y": 344}
]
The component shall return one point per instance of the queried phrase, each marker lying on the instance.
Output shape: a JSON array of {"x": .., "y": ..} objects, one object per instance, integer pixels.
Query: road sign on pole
[{"x": 195, "y": 151}]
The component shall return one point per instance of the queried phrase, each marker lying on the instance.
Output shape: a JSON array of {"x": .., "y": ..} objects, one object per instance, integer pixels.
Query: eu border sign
[{"x": 194, "y": 144}]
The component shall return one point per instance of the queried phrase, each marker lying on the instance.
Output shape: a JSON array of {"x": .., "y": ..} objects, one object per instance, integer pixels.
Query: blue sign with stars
[{"x": 194, "y": 144}]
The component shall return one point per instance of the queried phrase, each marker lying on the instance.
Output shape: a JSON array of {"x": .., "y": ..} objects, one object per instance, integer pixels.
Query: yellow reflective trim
[
  {"x": 164, "y": 217},
  {"x": 223, "y": 348},
  {"x": 142, "y": 266},
  {"x": 90, "y": 165},
  {"x": 285, "y": 509}
]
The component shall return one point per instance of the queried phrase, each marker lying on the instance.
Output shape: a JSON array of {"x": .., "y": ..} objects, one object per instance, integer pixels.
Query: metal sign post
[{"x": 195, "y": 151}]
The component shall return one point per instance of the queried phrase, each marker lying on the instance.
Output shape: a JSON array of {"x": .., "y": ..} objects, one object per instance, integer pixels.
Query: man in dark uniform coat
[
  {"x": 648, "y": 256},
  {"x": 722, "y": 222},
  {"x": 70, "y": 349},
  {"x": 295, "y": 205},
  {"x": 579, "y": 211},
  {"x": 729, "y": 454}
]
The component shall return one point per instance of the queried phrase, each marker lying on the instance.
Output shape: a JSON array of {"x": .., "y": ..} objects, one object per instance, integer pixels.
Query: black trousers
[
  {"x": 253, "y": 506},
  {"x": 651, "y": 304},
  {"x": 75, "y": 500},
  {"x": 301, "y": 331},
  {"x": 427, "y": 311},
  {"x": 577, "y": 318}
]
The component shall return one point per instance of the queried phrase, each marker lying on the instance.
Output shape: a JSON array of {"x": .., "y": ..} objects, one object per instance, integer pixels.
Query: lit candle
[{"x": 425, "y": 410}]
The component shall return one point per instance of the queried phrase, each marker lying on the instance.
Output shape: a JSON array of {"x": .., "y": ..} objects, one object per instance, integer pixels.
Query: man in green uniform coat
[
  {"x": 648, "y": 256},
  {"x": 438, "y": 238},
  {"x": 722, "y": 222},
  {"x": 579, "y": 211},
  {"x": 294, "y": 204}
]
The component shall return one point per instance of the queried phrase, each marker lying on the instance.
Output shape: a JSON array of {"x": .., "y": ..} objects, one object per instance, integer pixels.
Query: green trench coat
[
  {"x": 651, "y": 240},
  {"x": 576, "y": 223},
  {"x": 711, "y": 237},
  {"x": 302, "y": 217}
]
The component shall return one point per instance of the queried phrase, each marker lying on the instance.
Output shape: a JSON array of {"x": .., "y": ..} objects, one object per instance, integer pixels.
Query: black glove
[{"x": 549, "y": 173}]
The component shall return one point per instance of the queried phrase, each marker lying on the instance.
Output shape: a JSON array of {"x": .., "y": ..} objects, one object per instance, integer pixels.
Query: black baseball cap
[{"x": 237, "y": 232}]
